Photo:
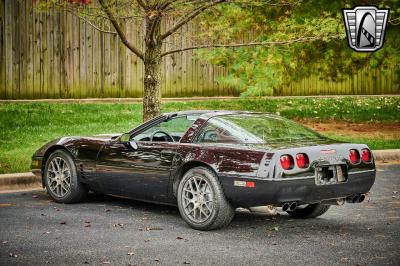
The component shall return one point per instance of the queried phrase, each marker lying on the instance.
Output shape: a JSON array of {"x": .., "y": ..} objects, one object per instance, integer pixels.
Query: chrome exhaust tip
[
  {"x": 355, "y": 198},
  {"x": 293, "y": 206},
  {"x": 285, "y": 207},
  {"x": 361, "y": 198},
  {"x": 352, "y": 198}
]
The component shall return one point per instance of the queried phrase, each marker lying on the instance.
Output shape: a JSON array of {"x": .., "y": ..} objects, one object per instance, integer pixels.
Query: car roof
[{"x": 212, "y": 113}]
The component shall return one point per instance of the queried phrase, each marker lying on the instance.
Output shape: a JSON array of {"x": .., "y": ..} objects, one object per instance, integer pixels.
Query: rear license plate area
[{"x": 330, "y": 174}]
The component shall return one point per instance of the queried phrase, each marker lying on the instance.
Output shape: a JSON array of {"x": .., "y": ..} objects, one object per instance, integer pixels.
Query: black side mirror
[{"x": 126, "y": 139}]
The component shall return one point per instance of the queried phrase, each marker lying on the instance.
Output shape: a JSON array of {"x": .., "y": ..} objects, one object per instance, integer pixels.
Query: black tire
[
  {"x": 77, "y": 191},
  {"x": 222, "y": 212},
  {"x": 310, "y": 211}
]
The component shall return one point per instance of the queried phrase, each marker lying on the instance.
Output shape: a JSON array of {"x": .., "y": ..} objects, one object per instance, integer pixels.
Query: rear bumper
[{"x": 302, "y": 189}]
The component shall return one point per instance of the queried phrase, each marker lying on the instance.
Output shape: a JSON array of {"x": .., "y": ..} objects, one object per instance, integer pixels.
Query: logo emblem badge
[{"x": 365, "y": 27}]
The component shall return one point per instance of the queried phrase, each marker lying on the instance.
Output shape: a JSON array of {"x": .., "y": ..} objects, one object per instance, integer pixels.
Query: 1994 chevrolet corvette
[{"x": 209, "y": 163}]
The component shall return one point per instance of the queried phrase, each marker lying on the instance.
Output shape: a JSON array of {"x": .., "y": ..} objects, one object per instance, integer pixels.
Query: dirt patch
[{"x": 387, "y": 131}]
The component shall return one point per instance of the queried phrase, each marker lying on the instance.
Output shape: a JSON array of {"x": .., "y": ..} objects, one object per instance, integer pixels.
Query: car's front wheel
[
  {"x": 61, "y": 178},
  {"x": 309, "y": 211},
  {"x": 201, "y": 200}
]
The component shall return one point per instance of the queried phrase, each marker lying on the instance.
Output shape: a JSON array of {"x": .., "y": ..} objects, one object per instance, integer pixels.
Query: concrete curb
[
  {"x": 29, "y": 180},
  {"x": 19, "y": 181},
  {"x": 386, "y": 155}
]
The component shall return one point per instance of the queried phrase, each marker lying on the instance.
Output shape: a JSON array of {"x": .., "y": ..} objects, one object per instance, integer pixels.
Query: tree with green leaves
[{"x": 261, "y": 70}]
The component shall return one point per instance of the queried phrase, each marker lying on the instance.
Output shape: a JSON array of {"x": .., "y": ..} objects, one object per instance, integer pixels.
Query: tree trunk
[
  {"x": 152, "y": 70},
  {"x": 152, "y": 84}
]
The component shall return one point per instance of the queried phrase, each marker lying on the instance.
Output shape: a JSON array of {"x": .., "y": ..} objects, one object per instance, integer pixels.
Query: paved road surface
[{"x": 105, "y": 230}]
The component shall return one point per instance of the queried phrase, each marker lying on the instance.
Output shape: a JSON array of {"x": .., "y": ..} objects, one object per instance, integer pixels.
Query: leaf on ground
[
  {"x": 179, "y": 238},
  {"x": 119, "y": 225},
  {"x": 88, "y": 225},
  {"x": 151, "y": 229}
]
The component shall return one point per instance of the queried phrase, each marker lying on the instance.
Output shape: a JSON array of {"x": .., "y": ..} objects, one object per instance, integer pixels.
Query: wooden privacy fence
[{"x": 55, "y": 55}]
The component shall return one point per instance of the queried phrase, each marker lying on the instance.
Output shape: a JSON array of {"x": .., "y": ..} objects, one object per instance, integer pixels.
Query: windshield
[{"x": 254, "y": 128}]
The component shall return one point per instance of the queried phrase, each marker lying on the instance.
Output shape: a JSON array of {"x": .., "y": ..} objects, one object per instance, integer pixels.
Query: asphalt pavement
[{"x": 110, "y": 231}]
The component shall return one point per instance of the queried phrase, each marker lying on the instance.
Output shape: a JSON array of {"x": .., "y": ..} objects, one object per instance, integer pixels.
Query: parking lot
[{"x": 106, "y": 230}]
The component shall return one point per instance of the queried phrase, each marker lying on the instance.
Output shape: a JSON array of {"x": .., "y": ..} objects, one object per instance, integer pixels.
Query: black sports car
[{"x": 210, "y": 162}]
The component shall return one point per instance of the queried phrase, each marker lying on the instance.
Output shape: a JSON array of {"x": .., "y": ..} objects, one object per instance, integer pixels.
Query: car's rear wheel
[
  {"x": 201, "y": 200},
  {"x": 309, "y": 211},
  {"x": 61, "y": 178}
]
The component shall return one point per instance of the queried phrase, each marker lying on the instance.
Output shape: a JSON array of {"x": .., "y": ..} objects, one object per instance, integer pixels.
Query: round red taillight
[
  {"x": 286, "y": 162},
  {"x": 366, "y": 155},
  {"x": 302, "y": 160},
  {"x": 354, "y": 156}
]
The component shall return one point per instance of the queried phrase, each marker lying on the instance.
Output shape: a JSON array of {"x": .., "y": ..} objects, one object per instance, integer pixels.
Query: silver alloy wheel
[
  {"x": 197, "y": 198},
  {"x": 59, "y": 177}
]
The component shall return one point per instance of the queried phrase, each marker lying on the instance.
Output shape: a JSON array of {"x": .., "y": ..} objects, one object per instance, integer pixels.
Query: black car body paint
[{"x": 152, "y": 171}]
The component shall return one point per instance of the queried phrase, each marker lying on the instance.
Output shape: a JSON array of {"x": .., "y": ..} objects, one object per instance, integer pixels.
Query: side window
[
  {"x": 214, "y": 134},
  {"x": 171, "y": 130}
]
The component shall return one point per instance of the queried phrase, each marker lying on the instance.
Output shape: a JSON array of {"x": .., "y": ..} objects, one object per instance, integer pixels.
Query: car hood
[
  {"x": 107, "y": 136},
  {"x": 67, "y": 141}
]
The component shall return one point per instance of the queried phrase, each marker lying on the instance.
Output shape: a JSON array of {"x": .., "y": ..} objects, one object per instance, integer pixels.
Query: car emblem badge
[{"x": 365, "y": 27}]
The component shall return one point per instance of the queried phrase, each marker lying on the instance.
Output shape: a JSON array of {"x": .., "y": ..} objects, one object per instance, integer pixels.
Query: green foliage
[
  {"x": 350, "y": 109},
  {"x": 322, "y": 49}
]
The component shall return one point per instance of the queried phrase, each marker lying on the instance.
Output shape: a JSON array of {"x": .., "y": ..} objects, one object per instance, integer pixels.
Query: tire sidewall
[
  {"x": 215, "y": 187},
  {"x": 74, "y": 180}
]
